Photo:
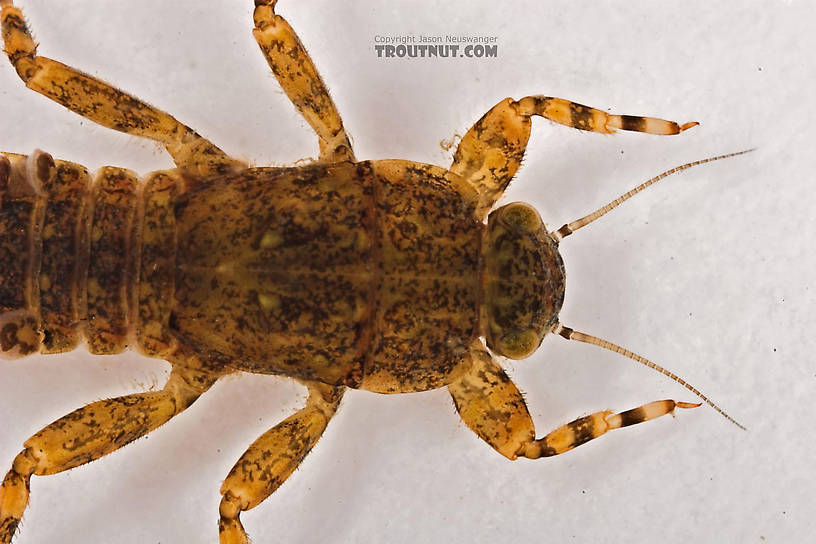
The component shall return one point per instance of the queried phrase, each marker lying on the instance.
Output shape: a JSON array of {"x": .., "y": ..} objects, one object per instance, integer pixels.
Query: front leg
[
  {"x": 490, "y": 154},
  {"x": 491, "y": 405},
  {"x": 300, "y": 80}
]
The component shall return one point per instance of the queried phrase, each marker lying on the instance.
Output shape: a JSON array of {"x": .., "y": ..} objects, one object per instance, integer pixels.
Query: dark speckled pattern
[
  {"x": 524, "y": 281},
  {"x": 330, "y": 273},
  {"x": 381, "y": 275}
]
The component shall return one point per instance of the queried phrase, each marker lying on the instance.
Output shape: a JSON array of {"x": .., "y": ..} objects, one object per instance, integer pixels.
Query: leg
[
  {"x": 298, "y": 76},
  {"x": 490, "y": 153},
  {"x": 104, "y": 104},
  {"x": 89, "y": 433},
  {"x": 491, "y": 405},
  {"x": 272, "y": 458}
]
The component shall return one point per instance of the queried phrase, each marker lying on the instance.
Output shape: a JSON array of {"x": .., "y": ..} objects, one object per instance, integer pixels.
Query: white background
[{"x": 709, "y": 273}]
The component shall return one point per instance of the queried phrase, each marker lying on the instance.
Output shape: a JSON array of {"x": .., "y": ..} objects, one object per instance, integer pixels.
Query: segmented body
[
  {"x": 348, "y": 274},
  {"x": 391, "y": 276},
  {"x": 68, "y": 245}
]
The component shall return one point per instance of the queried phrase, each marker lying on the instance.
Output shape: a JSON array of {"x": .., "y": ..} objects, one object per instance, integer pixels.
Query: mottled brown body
[
  {"x": 390, "y": 276},
  {"x": 356, "y": 274},
  {"x": 347, "y": 274}
]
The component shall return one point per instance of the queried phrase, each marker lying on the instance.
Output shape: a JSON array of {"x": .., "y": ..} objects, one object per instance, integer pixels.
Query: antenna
[
  {"x": 571, "y": 334},
  {"x": 569, "y": 228}
]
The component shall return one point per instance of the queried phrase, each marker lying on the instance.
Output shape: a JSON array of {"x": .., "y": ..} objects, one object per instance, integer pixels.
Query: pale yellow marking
[
  {"x": 271, "y": 239},
  {"x": 269, "y": 302},
  {"x": 225, "y": 269}
]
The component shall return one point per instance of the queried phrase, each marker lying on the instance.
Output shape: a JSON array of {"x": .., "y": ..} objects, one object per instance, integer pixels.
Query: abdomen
[{"x": 68, "y": 256}]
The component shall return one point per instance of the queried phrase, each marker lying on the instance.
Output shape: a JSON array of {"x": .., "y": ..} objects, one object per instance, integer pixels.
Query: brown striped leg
[
  {"x": 490, "y": 153},
  {"x": 272, "y": 458},
  {"x": 300, "y": 80},
  {"x": 89, "y": 433},
  {"x": 491, "y": 405},
  {"x": 582, "y": 117},
  {"x": 105, "y": 104},
  {"x": 584, "y": 429}
]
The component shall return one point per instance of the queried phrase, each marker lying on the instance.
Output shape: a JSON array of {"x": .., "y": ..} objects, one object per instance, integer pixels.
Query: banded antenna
[{"x": 571, "y": 334}]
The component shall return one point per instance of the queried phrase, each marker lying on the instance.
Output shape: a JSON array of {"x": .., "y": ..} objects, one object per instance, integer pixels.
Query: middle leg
[
  {"x": 300, "y": 80},
  {"x": 490, "y": 154},
  {"x": 272, "y": 458}
]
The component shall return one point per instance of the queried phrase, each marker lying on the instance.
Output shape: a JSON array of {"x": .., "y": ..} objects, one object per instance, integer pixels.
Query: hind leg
[
  {"x": 89, "y": 433},
  {"x": 104, "y": 104}
]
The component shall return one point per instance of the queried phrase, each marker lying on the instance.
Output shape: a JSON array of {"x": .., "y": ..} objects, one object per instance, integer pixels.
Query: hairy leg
[
  {"x": 491, "y": 405},
  {"x": 300, "y": 80},
  {"x": 490, "y": 154},
  {"x": 272, "y": 458},
  {"x": 89, "y": 433},
  {"x": 104, "y": 104}
]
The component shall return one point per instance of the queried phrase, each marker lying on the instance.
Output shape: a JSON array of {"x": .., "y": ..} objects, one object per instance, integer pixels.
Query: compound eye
[
  {"x": 518, "y": 344},
  {"x": 521, "y": 217}
]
